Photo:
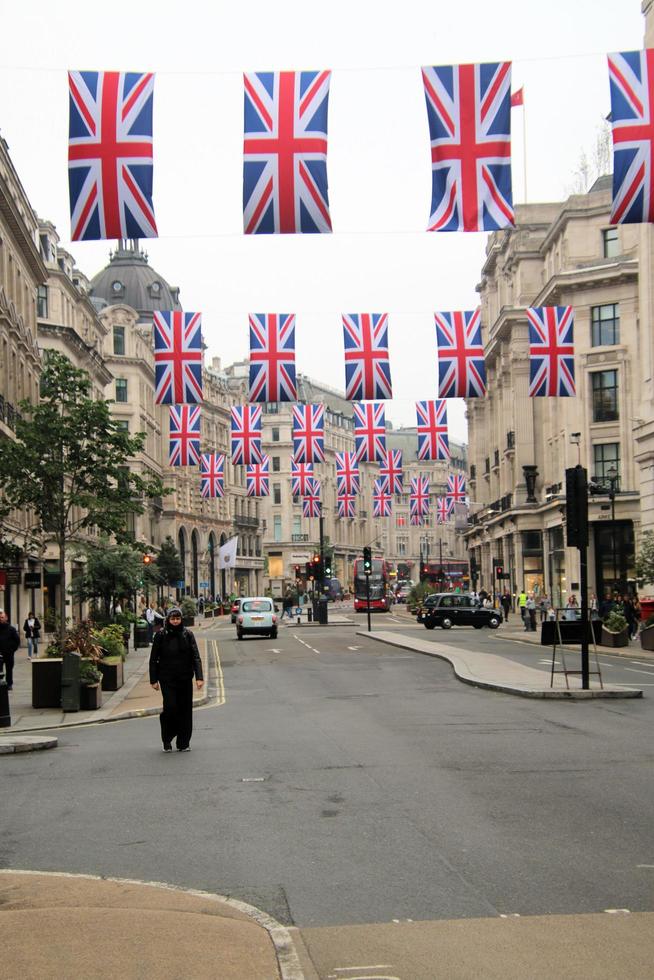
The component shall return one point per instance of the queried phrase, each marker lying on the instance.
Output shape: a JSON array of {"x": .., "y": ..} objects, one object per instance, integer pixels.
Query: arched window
[{"x": 195, "y": 578}]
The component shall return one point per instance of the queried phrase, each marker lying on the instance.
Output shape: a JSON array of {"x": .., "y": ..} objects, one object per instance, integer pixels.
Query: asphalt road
[{"x": 342, "y": 781}]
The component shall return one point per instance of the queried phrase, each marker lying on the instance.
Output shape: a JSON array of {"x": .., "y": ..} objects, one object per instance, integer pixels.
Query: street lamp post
[{"x": 612, "y": 474}]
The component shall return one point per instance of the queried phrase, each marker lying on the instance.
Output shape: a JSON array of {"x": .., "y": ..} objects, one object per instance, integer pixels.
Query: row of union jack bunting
[
  {"x": 110, "y": 151},
  {"x": 272, "y": 375}
]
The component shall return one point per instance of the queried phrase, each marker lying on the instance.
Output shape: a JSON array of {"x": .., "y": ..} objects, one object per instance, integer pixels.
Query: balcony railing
[
  {"x": 473, "y": 472},
  {"x": 363, "y": 515},
  {"x": 487, "y": 465},
  {"x": 299, "y": 538},
  {"x": 496, "y": 458},
  {"x": 510, "y": 440},
  {"x": 246, "y": 521}
]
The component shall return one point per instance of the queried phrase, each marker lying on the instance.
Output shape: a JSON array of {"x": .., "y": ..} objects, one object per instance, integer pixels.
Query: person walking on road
[
  {"x": 9, "y": 643},
  {"x": 32, "y": 631},
  {"x": 174, "y": 660}
]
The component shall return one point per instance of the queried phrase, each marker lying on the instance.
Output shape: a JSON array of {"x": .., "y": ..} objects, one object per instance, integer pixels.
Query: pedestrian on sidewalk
[
  {"x": 530, "y": 617},
  {"x": 32, "y": 631},
  {"x": 506, "y": 605},
  {"x": 150, "y": 617},
  {"x": 174, "y": 659},
  {"x": 522, "y": 606},
  {"x": 9, "y": 643}
]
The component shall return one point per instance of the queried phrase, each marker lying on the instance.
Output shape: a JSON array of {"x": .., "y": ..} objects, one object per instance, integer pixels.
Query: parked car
[
  {"x": 236, "y": 605},
  {"x": 448, "y": 609},
  {"x": 402, "y": 593},
  {"x": 257, "y": 615}
]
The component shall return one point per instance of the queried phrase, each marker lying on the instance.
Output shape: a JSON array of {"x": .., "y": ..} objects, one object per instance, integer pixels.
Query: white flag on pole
[{"x": 227, "y": 553}]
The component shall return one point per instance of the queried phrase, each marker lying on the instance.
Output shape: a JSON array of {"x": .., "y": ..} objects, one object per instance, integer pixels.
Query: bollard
[{"x": 309, "y": 615}]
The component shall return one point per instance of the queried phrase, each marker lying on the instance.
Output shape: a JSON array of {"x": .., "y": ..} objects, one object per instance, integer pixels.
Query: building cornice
[
  {"x": 605, "y": 274},
  {"x": 73, "y": 340}
]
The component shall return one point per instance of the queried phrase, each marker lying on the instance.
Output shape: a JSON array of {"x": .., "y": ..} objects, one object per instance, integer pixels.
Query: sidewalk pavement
[
  {"x": 496, "y": 673},
  {"x": 95, "y": 928},
  {"x": 133, "y": 700}
]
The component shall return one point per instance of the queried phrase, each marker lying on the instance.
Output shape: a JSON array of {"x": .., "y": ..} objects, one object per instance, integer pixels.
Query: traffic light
[
  {"x": 317, "y": 567},
  {"x": 576, "y": 507},
  {"x": 499, "y": 571},
  {"x": 309, "y": 571},
  {"x": 367, "y": 561},
  {"x": 328, "y": 568},
  {"x": 297, "y": 571},
  {"x": 424, "y": 570},
  {"x": 147, "y": 559}
]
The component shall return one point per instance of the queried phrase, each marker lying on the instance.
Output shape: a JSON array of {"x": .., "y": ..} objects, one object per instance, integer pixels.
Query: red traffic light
[{"x": 499, "y": 571}]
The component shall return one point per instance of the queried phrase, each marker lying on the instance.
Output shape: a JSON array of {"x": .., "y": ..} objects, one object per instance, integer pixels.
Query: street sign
[
  {"x": 204, "y": 585},
  {"x": 13, "y": 576},
  {"x": 32, "y": 580},
  {"x": 180, "y": 584}
]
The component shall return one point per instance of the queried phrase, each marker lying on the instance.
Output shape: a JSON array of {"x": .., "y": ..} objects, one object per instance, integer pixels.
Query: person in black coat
[
  {"x": 174, "y": 660},
  {"x": 32, "y": 631},
  {"x": 9, "y": 643}
]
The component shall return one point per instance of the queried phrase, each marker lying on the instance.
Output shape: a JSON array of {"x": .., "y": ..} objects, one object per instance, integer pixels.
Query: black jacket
[
  {"x": 174, "y": 656},
  {"x": 9, "y": 639},
  {"x": 35, "y": 631}
]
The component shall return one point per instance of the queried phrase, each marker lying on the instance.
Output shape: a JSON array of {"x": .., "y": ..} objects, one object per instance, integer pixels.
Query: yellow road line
[{"x": 219, "y": 671}]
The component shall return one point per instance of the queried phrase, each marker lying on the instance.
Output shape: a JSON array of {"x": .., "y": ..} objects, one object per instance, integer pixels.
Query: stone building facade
[
  {"x": 22, "y": 271},
  {"x": 561, "y": 254}
]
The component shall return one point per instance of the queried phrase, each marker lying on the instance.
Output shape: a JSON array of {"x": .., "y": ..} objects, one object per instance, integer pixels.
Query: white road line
[
  {"x": 651, "y": 866},
  {"x": 632, "y": 670}
]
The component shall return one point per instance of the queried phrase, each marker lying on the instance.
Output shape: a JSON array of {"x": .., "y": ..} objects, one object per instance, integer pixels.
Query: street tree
[
  {"x": 645, "y": 559},
  {"x": 168, "y": 563},
  {"x": 112, "y": 570},
  {"x": 69, "y": 465}
]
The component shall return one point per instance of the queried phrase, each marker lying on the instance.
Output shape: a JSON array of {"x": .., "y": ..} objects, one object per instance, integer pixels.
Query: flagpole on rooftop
[{"x": 524, "y": 147}]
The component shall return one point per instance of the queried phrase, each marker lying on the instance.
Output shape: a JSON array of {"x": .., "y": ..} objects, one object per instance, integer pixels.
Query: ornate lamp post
[{"x": 612, "y": 475}]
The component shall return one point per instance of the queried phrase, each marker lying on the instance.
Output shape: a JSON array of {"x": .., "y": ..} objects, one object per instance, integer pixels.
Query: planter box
[
  {"x": 112, "y": 675},
  {"x": 647, "y": 638},
  {"x": 620, "y": 639},
  {"x": 208, "y": 614},
  {"x": 46, "y": 682},
  {"x": 188, "y": 620},
  {"x": 90, "y": 697}
]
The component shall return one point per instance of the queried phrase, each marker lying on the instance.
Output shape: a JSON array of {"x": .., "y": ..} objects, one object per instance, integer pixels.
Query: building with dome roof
[{"x": 129, "y": 279}]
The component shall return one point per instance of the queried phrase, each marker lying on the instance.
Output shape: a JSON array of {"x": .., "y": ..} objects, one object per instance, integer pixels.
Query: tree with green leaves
[
  {"x": 112, "y": 570},
  {"x": 645, "y": 559},
  {"x": 168, "y": 563},
  {"x": 69, "y": 465}
]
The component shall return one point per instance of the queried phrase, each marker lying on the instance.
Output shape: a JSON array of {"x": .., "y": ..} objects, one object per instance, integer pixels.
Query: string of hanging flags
[{"x": 285, "y": 141}]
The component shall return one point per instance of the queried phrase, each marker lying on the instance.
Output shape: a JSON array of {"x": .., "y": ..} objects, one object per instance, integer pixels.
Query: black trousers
[
  {"x": 8, "y": 659},
  {"x": 177, "y": 715}
]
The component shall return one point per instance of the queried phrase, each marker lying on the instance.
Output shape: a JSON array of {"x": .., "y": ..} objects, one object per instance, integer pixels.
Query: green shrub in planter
[
  {"x": 89, "y": 673},
  {"x": 111, "y": 639},
  {"x": 615, "y": 622},
  {"x": 188, "y": 607}
]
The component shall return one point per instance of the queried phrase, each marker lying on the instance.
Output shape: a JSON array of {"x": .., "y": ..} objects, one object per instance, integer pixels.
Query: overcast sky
[{"x": 379, "y": 258}]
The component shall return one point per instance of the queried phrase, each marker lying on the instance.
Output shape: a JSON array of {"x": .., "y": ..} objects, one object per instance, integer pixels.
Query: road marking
[
  {"x": 313, "y": 649},
  {"x": 641, "y": 663},
  {"x": 632, "y": 670},
  {"x": 618, "y": 911},
  {"x": 374, "y": 966},
  {"x": 273, "y": 650},
  {"x": 645, "y": 866},
  {"x": 354, "y": 648},
  {"x": 219, "y": 671},
  {"x": 253, "y": 779}
]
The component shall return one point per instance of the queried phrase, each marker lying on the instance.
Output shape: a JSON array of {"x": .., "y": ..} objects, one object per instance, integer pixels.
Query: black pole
[
  {"x": 615, "y": 563},
  {"x": 585, "y": 628},
  {"x": 368, "y": 599},
  {"x": 322, "y": 542}
]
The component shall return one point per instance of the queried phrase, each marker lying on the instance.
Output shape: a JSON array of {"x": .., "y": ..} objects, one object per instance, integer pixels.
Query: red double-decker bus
[{"x": 380, "y": 587}]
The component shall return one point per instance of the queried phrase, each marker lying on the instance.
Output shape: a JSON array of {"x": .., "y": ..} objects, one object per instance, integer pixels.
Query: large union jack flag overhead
[
  {"x": 461, "y": 366},
  {"x": 177, "y": 357},
  {"x": 300, "y": 473},
  {"x": 551, "y": 351},
  {"x": 246, "y": 434},
  {"x": 367, "y": 367},
  {"x": 416, "y": 520},
  {"x": 257, "y": 478},
  {"x": 419, "y": 496},
  {"x": 469, "y": 111},
  {"x": 382, "y": 499},
  {"x": 456, "y": 488},
  {"x": 444, "y": 508},
  {"x": 110, "y": 155},
  {"x": 212, "y": 471},
  {"x": 309, "y": 433},
  {"x": 433, "y": 441},
  {"x": 311, "y": 501},
  {"x": 346, "y": 503},
  {"x": 631, "y": 76},
  {"x": 348, "y": 478},
  {"x": 369, "y": 432},
  {"x": 390, "y": 468},
  {"x": 285, "y": 153},
  {"x": 272, "y": 357},
  {"x": 184, "y": 442}
]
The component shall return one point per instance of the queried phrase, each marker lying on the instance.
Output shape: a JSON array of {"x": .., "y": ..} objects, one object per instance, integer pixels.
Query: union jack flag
[
  {"x": 348, "y": 478},
  {"x": 419, "y": 496},
  {"x": 257, "y": 478},
  {"x": 184, "y": 442},
  {"x": 177, "y": 357},
  {"x": 469, "y": 112},
  {"x": 367, "y": 368},
  {"x": 369, "y": 432},
  {"x": 110, "y": 155},
  {"x": 456, "y": 488},
  {"x": 272, "y": 357},
  {"x": 309, "y": 433},
  {"x": 391, "y": 469},
  {"x": 311, "y": 506},
  {"x": 212, "y": 471},
  {"x": 382, "y": 499},
  {"x": 433, "y": 441},
  {"x": 444, "y": 508},
  {"x": 551, "y": 351},
  {"x": 461, "y": 366},
  {"x": 631, "y": 76},
  {"x": 285, "y": 153},
  {"x": 346, "y": 505},
  {"x": 246, "y": 434},
  {"x": 300, "y": 473},
  {"x": 415, "y": 520}
]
